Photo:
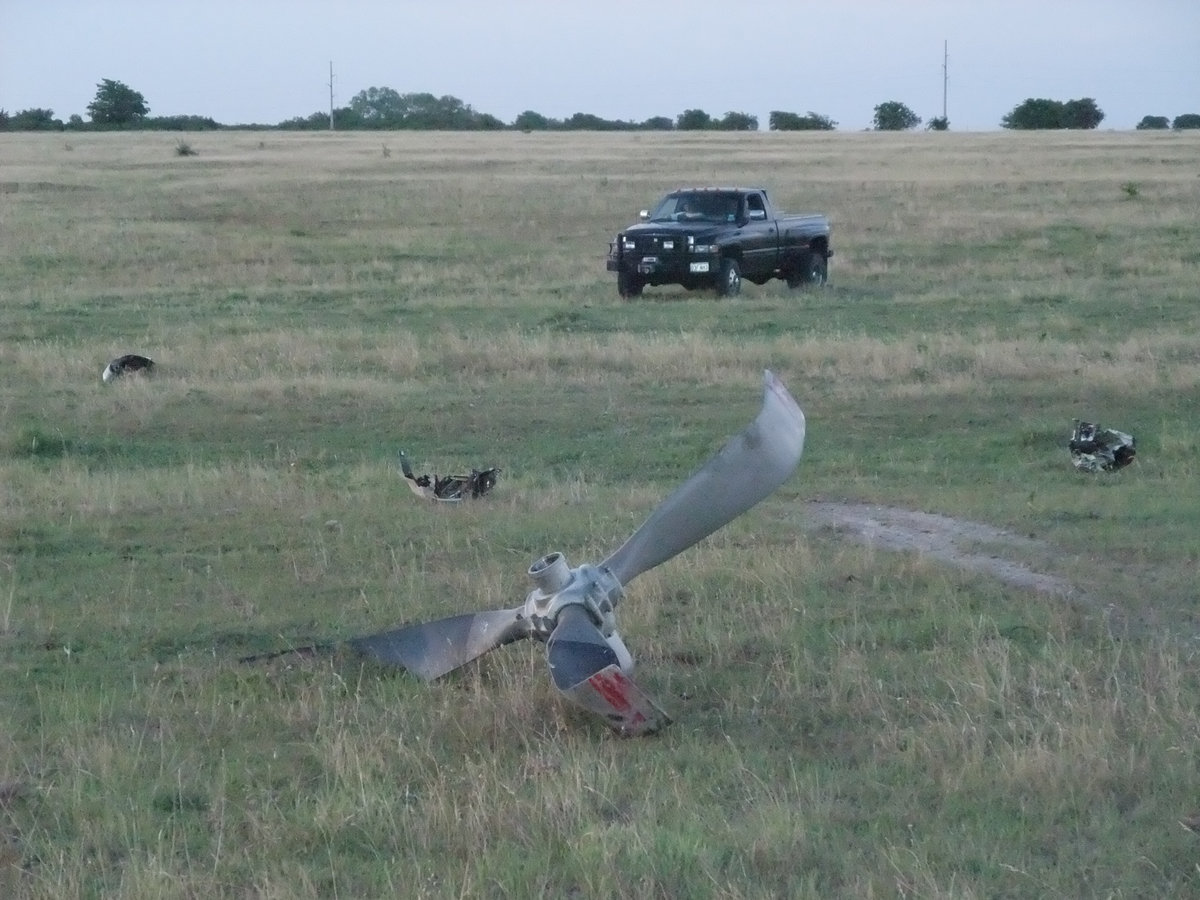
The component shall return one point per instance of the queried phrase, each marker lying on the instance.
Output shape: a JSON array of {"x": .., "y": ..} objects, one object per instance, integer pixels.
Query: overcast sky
[{"x": 265, "y": 61}]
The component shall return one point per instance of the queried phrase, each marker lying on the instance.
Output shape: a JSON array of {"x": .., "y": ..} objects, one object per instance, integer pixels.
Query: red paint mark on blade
[
  {"x": 612, "y": 694},
  {"x": 614, "y": 687}
]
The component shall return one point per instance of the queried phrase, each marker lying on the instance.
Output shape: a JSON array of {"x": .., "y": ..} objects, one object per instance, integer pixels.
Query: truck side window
[{"x": 754, "y": 207}]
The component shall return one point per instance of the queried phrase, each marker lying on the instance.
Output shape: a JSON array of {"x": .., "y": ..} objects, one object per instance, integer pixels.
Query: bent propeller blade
[
  {"x": 432, "y": 649},
  {"x": 588, "y": 672},
  {"x": 747, "y": 469},
  {"x": 626, "y": 709},
  {"x": 576, "y": 649}
]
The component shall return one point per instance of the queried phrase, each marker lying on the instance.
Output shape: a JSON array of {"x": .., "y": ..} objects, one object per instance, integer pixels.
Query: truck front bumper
[{"x": 656, "y": 270}]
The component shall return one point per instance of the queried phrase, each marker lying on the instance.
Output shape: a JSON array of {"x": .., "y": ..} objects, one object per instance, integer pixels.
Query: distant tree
[
  {"x": 820, "y": 122},
  {"x": 895, "y": 116},
  {"x": 384, "y": 107},
  {"x": 4, "y": 120},
  {"x": 378, "y": 107},
  {"x": 443, "y": 113},
  {"x": 1034, "y": 113},
  {"x": 778, "y": 120},
  {"x": 1187, "y": 120},
  {"x": 790, "y": 121},
  {"x": 938, "y": 123},
  {"x": 1041, "y": 113},
  {"x": 588, "y": 121},
  {"x": 1153, "y": 123},
  {"x": 35, "y": 120},
  {"x": 531, "y": 121},
  {"x": 117, "y": 104},
  {"x": 581, "y": 121},
  {"x": 299, "y": 123},
  {"x": 181, "y": 123},
  {"x": 1083, "y": 114},
  {"x": 658, "y": 123},
  {"x": 737, "y": 121},
  {"x": 344, "y": 119},
  {"x": 426, "y": 112},
  {"x": 693, "y": 120},
  {"x": 75, "y": 121}
]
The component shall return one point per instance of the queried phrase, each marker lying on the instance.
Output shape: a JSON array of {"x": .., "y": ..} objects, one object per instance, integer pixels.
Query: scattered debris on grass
[
  {"x": 127, "y": 364},
  {"x": 1095, "y": 449},
  {"x": 449, "y": 488}
]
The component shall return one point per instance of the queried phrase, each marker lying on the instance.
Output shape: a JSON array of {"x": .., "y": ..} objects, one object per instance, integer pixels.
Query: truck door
[{"x": 760, "y": 239}]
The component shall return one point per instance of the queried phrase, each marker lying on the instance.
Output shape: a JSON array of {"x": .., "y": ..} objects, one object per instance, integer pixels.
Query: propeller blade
[
  {"x": 432, "y": 649},
  {"x": 576, "y": 649},
  {"x": 748, "y": 468},
  {"x": 626, "y": 709},
  {"x": 588, "y": 672}
]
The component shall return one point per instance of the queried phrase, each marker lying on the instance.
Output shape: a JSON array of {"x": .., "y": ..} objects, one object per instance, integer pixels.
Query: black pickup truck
[{"x": 715, "y": 237}]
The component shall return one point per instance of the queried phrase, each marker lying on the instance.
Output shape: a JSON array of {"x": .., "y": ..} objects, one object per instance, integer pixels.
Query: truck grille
[{"x": 658, "y": 244}]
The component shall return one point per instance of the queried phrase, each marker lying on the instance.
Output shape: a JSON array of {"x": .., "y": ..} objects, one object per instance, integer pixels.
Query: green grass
[{"x": 848, "y": 721}]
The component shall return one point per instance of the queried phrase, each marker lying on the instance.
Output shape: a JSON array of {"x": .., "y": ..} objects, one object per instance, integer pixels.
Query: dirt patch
[{"x": 971, "y": 546}]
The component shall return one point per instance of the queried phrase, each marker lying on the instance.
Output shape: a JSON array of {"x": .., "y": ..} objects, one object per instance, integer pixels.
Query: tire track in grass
[{"x": 963, "y": 544}]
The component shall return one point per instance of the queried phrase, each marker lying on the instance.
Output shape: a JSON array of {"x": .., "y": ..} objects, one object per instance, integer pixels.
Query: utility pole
[
  {"x": 331, "y": 95},
  {"x": 945, "y": 75}
]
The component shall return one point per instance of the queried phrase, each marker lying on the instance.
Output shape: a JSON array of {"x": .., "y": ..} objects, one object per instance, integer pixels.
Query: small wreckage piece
[
  {"x": 449, "y": 488},
  {"x": 129, "y": 363},
  {"x": 1095, "y": 449}
]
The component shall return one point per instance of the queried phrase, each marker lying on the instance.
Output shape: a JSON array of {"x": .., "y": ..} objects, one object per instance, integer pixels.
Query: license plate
[
  {"x": 649, "y": 260},
  {"x": 699, "y": 267}
]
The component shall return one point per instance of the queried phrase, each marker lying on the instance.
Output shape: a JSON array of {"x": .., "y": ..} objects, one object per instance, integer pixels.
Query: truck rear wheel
[
  {"x": 811, "y": 272},
  {"x": 730, "y": 282},
  {"x": 629, "y": 286}
]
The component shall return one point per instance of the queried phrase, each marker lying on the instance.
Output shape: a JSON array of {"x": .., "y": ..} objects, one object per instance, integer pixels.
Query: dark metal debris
[
  {"x": 130, "y": 362},
  {"x": 1094, "y": 448},
  {"x": 449, "y": 488}
]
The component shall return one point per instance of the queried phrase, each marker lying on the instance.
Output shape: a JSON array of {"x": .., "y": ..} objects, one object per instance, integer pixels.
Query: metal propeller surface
[
  {"x": 748, "y": 468},
  {"x": 434, "y": 649},
  {"x": 573, "y": 610},
  {"x": 577, "y": 649}
]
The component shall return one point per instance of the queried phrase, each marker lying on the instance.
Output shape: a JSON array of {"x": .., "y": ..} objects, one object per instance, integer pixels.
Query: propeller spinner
[{"x": 573, "y": 610}]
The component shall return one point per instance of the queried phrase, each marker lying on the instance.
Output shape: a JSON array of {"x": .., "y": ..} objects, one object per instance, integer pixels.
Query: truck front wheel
[
  {"x": 629, "y": 286},
  {"x": 729, "y": 283},
  {"x": 812, "y": 271}
]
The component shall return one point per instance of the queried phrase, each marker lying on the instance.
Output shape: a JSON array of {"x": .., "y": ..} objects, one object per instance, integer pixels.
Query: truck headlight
[
  {"x": 627, "y": 244},
  {"x": 703, "y": 248}
]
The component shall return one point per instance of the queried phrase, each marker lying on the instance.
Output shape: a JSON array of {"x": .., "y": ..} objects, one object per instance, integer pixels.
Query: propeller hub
[
  {"x": 550, "y": 573},
  {"x": 558, "y": 586}
]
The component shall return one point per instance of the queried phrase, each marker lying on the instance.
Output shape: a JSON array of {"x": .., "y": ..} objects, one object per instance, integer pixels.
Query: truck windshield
[{"x": 696, "y": 207}]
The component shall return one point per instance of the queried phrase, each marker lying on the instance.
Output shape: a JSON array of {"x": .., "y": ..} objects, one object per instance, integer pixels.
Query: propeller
[{"x": 572, "y": 610}]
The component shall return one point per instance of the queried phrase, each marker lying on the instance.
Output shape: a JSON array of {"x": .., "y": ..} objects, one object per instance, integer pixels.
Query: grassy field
[{"x": 850, "y": 722}]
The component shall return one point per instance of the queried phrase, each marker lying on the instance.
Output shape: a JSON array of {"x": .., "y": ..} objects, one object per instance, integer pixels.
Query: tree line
[{"x": 116, "y": 105}]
